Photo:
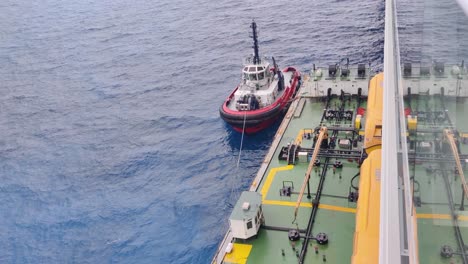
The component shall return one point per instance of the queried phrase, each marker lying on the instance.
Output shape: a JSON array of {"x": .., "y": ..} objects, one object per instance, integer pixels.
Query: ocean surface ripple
[{"x": 111, "y": 146}]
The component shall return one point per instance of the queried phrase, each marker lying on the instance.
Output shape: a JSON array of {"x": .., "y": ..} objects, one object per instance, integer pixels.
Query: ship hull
[{"x": 253, "y": 123}]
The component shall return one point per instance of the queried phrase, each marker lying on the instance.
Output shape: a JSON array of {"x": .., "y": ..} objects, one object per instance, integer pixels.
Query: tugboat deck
[{"x": 266, "y": 92}]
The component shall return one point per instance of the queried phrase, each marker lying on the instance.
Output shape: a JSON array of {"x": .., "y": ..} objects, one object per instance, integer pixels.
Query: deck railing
[{"x": 396, "y": 196}]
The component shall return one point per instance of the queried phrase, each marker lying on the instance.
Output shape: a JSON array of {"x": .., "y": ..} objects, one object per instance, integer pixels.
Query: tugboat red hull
[
  {"x": 256, "y": 120},
  {"x": 256, "y": 128}
]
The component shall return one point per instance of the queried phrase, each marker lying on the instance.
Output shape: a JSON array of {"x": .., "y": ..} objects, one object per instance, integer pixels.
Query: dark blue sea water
[{"x": 111, "y": 146}]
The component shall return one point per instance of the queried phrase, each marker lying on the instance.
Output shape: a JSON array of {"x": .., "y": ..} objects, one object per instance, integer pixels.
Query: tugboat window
[
  {"x": 261, "y": 76},
  {"x": 253, "y": 77},
  {"x": 249, "y": 224}
]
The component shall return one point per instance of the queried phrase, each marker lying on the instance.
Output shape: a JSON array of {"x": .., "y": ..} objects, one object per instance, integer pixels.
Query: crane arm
[{"x": 321, "y": 136}]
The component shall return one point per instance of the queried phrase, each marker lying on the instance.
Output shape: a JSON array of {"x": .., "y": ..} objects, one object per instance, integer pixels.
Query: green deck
[
  {"x": 337, "y": 219},
  {"x": 435, "y": 226},
  {"x": 336, "y": 215},
  {"x": 338, "y": 225}
]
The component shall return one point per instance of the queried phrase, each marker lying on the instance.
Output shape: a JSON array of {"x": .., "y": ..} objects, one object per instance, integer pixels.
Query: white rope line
[
  {"x": 242, "y": 140},
  {"x": 234, "y": 183}
]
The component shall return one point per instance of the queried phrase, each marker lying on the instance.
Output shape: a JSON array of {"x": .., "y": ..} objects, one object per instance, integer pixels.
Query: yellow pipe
[
  {"x": 366, "y": 235},
  {"x": 373, "y": 127}
]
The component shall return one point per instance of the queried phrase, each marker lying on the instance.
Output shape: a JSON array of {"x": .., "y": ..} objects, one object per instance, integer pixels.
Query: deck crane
[
  {"x": 322, "y": 135},
  {"x": 451, "y": 139}
]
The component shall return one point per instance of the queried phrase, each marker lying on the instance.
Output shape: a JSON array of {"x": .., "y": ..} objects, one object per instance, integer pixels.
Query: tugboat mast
[{"x": 256, "y": 59}]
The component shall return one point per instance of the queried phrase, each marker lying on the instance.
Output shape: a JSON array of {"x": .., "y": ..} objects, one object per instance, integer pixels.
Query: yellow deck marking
[
  {"x": 272, "y": 174},
  {"x": 267, "y": 185},
  {"x": 270, "y": 177},
  {"x": 285, "y": 203},
  {"x": 441, "y": 216},
  {"x": 433, "y": 216},
  {"x": 300, "y": 136},
  {"x": 304, "y": 204},
  {"x": 239, "y": 254},
  {"x": 337, "y": 208}
]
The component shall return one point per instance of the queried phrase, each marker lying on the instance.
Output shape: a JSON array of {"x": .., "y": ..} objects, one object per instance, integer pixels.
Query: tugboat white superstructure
[{"x": 263, "y": 94}]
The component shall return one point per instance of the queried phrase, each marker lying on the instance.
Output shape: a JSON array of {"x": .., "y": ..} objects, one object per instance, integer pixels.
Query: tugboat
[{"x": 262, "y": 96}]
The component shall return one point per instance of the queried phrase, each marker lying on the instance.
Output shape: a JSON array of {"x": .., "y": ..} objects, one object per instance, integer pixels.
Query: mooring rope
[
  {"x": 234, "y": 184},
  {"x": 242, "y": 140}
]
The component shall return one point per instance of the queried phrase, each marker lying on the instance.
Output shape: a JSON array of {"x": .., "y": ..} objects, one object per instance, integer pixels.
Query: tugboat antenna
[
  {"x": 275, "y": 65},
  {"x": 256, "y": 58}
]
